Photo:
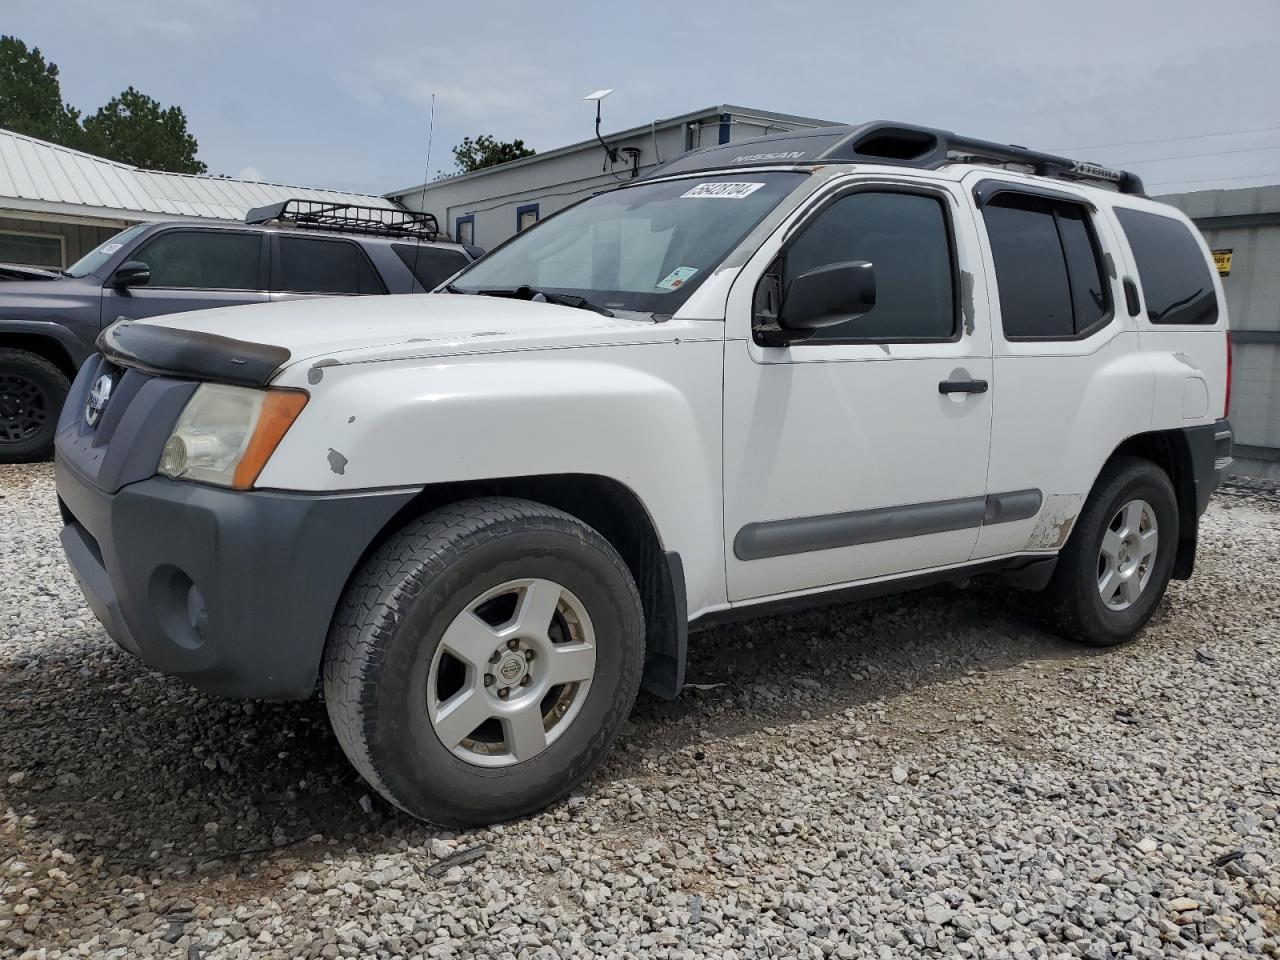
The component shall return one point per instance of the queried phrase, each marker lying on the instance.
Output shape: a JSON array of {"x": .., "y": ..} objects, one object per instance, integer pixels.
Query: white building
[
  {"x": 57, "y": 204},
  {"x": 490, "y": 205}
]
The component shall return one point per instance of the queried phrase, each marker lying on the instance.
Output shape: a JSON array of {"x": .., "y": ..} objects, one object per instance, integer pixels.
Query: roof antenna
[
  {"x": 609, "y": 151},
  {"x": 426, "y": 173}
]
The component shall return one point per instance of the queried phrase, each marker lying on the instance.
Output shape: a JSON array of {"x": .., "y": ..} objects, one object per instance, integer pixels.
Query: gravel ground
[{"x": 928, "y": 775}]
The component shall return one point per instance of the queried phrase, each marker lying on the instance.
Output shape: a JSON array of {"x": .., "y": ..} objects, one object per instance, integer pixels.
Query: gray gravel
[{"x": 928, "y": 775}]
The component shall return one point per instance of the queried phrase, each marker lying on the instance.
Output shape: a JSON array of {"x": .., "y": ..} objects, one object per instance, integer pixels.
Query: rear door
[
  {"x": 192, "y": 269},
  {"x": 1070, "y": 381},
  {"x": 308, "y": 266}
]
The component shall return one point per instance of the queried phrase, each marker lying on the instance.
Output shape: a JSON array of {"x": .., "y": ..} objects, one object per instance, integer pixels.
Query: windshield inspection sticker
[
  {"x": 109, "y": 248},
  {"x": 676, "y": 278},
  {"x": 722, "y": 191}
]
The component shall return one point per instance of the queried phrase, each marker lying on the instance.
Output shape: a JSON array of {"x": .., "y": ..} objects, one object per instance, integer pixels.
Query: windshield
[
  {"x": 95, "y": 258},
  {"x": 643, "y": 248}
]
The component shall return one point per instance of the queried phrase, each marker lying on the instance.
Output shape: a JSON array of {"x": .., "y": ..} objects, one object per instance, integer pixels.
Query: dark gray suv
[{"x": 49, "y": 322}]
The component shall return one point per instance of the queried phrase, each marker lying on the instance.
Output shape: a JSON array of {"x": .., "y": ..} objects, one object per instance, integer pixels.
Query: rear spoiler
[{"x": 190, "y": 353}]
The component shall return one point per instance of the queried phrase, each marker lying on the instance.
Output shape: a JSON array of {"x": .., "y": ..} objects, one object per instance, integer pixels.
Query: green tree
[
  {"x": 484, "y": 151},
  {"x": 134, "y": 128},
  {"x": 31, "y": 96}
]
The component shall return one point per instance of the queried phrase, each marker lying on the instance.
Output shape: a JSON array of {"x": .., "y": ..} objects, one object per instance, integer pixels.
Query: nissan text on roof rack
[
  {"x": 827, "y": 365},
  {"x": 294, "y": 248}
]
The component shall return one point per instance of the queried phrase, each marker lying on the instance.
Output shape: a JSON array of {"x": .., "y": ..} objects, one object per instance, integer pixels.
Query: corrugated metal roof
[{"x": 43, "y": 177}]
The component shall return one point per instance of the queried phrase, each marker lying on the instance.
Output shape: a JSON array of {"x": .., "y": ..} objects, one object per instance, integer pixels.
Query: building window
[
  {"x": 464, "y": 229},
  {"x": 31, "y": 249},
  {"x": 526, "y": 216}
]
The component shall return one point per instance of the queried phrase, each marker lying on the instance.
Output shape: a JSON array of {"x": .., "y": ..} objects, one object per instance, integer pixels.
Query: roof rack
[
  {"x": 348, "y": 218},
  {"x": 899, "y": 144}
]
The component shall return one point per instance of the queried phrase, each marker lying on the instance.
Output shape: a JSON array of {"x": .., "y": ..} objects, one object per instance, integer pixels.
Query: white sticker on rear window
[
  {"x": 722, "y": 191},
  {"x": 677, "y": 278}
]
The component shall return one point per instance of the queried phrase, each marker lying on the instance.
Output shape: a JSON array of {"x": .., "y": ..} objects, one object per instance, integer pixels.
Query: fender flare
[{"x": 73, "y": 346}]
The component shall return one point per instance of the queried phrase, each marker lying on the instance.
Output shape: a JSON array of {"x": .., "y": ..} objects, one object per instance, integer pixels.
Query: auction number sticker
[
  {"x": 676, "y": 278},
  {"x": 722, "y": 191}
]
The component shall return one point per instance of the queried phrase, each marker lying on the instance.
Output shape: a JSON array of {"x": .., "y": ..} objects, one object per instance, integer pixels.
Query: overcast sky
[{"x": 337, "y": 93}]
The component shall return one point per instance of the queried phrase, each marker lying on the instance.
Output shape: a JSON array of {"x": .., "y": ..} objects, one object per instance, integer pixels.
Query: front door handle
[{"x": 962, "y": 386}]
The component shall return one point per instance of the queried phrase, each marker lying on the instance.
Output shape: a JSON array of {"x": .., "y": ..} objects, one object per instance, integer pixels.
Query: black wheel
[
  {"x": 481, "y": 662},
  {"x": 1116, "y": 565},
  {"x": 32, "y": 391}
]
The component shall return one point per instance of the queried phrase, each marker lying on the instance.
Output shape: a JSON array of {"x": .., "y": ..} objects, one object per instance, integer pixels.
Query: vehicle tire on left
[{"x": 32, "y": 391}]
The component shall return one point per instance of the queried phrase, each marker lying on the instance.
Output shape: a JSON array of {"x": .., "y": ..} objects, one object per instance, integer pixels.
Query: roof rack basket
[
  {"x": 900, "y": 144},
  {"x": 348, "y": 218}
]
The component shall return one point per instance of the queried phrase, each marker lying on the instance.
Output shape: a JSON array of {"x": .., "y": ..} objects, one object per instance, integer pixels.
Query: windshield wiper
[{"x": 526, "y": 292}]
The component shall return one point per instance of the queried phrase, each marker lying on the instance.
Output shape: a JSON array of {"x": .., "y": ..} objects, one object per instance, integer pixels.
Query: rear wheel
[
  {"x": 32, "y": 391},
  {"x": 482, "y": 661},
  {"x": 1115, "y": 568}
]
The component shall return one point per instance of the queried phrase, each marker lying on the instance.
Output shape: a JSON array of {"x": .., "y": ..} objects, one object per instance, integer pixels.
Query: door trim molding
[{"x": 780, "y": 538}]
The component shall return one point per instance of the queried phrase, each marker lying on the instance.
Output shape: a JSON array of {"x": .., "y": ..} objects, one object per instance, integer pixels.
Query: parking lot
[{"x": 928, "y": 775}]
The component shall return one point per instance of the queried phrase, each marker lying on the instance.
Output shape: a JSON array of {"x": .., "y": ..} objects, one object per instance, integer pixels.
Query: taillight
[{"x": 1226, "y": 407}]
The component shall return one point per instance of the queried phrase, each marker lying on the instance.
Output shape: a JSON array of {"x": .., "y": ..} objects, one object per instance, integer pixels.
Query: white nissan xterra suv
[{"x": 826, "y": 365}]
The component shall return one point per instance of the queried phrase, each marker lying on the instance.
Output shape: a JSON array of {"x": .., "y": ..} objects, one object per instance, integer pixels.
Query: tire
[
  {"x": 390, "y": 659},
  {"x": 1075, "y": 595},
  {"x": 32, "y": 391}
]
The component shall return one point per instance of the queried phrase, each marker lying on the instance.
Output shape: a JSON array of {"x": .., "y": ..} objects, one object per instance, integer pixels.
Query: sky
[{"x": 338, "y": 94}]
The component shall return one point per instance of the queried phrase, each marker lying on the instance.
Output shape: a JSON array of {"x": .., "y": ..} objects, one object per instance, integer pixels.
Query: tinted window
[
  {"x": 1047, "y": 267},
  {"x": 1174, "y": 274},
  {"x": 324, "y": 266},
  {"x": 431, "y": 265},
  {"x": 210, "y": 260},
  {"x": 905, "y": 237},
  {"x": 95, "y": 258}
]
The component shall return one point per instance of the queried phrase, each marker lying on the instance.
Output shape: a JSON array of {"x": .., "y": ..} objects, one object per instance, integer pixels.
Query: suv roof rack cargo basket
[
  {"x": 348, "y": 218},
  {"x": 899, "y": 144}
]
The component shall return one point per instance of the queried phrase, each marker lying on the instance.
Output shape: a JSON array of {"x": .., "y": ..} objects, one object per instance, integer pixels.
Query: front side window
[
  {"x": 645, "y": 247},
  {"x": 906, "y": 239},
  {"x": 325, "y": 266},
  {"x": 208, "y": 260},
  {"x": 1171, "y": 267},
  {"x": 1047, "y": 267}
]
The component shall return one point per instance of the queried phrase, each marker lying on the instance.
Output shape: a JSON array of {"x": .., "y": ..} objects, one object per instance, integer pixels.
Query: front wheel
[
  {"x": 1114, "y": 570},
  {"x": 482, "y": 661},
  {"x": 32, "y": 391}
]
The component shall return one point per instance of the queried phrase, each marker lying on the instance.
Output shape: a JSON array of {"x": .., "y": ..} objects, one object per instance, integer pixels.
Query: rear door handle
[{"x": 962, "y": 386}]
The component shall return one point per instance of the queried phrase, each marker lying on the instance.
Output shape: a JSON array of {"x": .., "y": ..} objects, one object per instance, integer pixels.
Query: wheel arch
[
  {"x": 42, "y": 345},
  {"x": 1170, "y": 451},
  {"x": 615, "y": 511}
]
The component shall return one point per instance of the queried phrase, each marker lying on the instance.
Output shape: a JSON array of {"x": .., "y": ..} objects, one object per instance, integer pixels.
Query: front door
[
  {"x": 192, "y": 269},
  {"x": 861, "y": 452}
]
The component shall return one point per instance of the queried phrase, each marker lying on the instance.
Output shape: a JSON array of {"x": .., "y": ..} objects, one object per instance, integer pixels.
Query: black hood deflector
[{"x": 190, "y": 353}]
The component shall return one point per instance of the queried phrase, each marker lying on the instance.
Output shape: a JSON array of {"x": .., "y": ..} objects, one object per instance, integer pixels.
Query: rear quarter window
[{"x": 1172, "y": 269}]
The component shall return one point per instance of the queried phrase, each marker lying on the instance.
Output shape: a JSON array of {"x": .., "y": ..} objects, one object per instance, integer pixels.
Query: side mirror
[
  {"x": 133, "y": 273},
  {"x": 828, "y": 295}
]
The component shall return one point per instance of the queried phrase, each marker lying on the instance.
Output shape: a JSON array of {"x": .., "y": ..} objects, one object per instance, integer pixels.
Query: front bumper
[{"x": 233, "y": 591}]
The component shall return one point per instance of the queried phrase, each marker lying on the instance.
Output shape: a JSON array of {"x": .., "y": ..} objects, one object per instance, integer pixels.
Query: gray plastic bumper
[{"x": 232, "y": 591}]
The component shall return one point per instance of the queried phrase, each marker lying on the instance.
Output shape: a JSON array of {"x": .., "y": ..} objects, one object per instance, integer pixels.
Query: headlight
[{"x": 226, "y": 434}]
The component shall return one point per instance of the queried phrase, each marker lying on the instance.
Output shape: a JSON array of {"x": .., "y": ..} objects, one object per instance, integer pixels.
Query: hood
[
  {"x": 19, "y": 271},
  {"x": 348, "y": 329}
]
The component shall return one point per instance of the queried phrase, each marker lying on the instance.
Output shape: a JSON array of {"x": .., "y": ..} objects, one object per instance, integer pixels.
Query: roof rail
[
  {"x": 348, "y": 218},
  {"x": 899, "y": 144}
]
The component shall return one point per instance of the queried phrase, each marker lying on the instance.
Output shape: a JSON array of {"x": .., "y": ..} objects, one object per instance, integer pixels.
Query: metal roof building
[
  {"x": 56, "y": 203},
  {"x": 488, "y": 206},
  {"x": 1242, "y": 227}
]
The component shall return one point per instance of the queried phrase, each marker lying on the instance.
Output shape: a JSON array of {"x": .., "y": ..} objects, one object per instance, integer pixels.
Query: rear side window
[
  {"x": 906, "y": 238},
  {"x": 1171, "y": 267},
  {"x": 430, "y": 265},
  {"x": 1047, "y": 268},
  {"x": 204, "y": 260},
  {"x": 325, "y": 266}
]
